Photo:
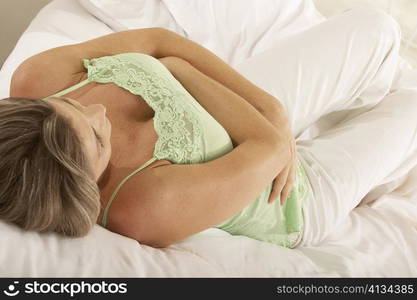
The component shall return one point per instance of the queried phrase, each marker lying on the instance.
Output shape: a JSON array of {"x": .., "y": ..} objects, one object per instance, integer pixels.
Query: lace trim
[{"x": 178, "y": 128}]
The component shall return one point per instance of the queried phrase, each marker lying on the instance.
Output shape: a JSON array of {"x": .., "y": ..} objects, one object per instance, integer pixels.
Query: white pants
[{"x": 346, "y": 62}]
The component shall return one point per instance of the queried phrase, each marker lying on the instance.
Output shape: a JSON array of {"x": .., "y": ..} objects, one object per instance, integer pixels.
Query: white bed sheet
[{"x": 378, "y": 239}]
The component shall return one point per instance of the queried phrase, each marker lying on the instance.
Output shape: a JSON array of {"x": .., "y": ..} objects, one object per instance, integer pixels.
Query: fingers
[
  {"x": 288, "y": 185},
  {"x": 274, "y": 192},
  {"x": 283, "y": 183},
  {"x": 279, "y": 183}
]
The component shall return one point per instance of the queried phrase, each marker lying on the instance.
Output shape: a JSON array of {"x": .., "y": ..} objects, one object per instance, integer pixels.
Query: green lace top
[{"x": 188, "y": 134}]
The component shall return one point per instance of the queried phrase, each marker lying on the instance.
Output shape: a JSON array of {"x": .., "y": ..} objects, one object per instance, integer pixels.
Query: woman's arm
[
  {"x": 191, "y": 198},
  {"x": 58, "y": 68},
  {"x": 227, "y": 107},
  {"x": 172, "y": 44},
  {"x": 158, "y": 42},
  {"x": 62, "y": 66}
]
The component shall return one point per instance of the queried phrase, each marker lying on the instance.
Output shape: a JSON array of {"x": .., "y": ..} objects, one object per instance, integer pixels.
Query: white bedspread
[{"x": 378, "y": 239}]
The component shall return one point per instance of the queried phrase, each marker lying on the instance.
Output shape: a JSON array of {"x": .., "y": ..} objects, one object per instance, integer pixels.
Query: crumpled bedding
[{"x": 378, "y": 239}]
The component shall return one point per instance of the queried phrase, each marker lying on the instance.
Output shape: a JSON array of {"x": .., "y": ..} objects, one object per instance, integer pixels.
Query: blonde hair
[{"x": 46, "y": 183}]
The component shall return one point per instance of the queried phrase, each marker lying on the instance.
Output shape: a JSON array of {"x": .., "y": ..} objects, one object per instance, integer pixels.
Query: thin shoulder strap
[
  {"x": 70, "y": 89},
  {"x": 106, "y": 210}
]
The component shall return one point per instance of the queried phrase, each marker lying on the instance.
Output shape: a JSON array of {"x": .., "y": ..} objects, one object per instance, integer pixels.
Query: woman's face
[{"x": 92, "y": 127}]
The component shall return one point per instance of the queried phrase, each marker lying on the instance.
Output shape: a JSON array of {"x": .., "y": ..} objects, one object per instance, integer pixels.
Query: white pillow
[
  {"x": 239, "y": 29},
  {"x": 130, "y": 14},
  {"x": 232, "y": 29}
]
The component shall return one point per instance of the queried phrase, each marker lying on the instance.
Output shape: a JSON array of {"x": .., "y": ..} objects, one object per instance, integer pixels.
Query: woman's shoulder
[
  {"x": 128, "y": 207},
  {"x": 32, "y": 80},
  {"x": 48, "y": 72}
]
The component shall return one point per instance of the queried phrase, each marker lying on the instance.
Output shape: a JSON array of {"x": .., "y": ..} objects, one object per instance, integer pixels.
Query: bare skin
[{"x": 132, "y": 128}]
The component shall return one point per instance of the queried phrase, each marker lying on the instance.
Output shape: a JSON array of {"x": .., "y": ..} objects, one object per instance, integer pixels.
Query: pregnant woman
[{"x": 155, "y": 138}]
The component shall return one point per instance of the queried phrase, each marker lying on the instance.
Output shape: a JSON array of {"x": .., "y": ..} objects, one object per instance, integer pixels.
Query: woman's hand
[{"x": 284, "y": 181}]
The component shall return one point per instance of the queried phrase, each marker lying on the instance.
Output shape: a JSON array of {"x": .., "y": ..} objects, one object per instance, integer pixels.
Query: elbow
[{"x": 160, "y": 37}]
